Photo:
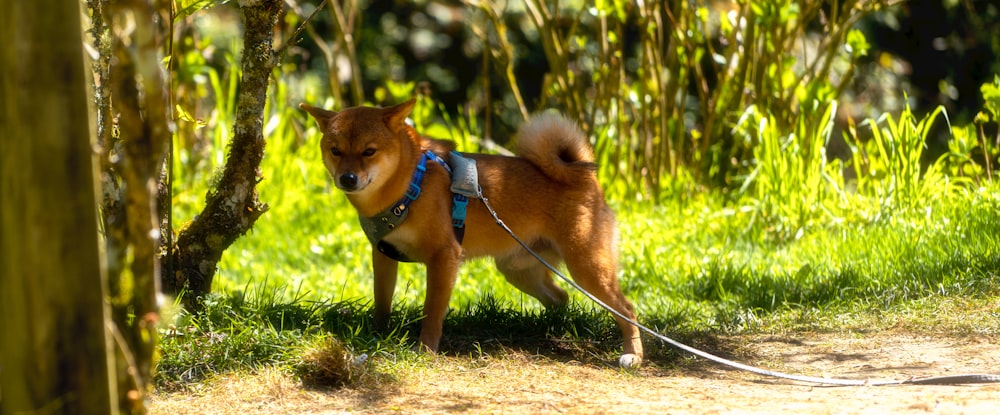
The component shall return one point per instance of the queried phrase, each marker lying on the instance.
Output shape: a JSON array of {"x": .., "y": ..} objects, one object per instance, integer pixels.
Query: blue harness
[{"x": 378, "y": 226}]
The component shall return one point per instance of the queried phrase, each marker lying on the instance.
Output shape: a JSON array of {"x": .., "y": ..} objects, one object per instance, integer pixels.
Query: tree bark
[
  {"x": 112, "y": 197},
  {"x": 54, "y": 349},
  {"x": 132, "y": 219},
  {"x": 233, "y": 207}
]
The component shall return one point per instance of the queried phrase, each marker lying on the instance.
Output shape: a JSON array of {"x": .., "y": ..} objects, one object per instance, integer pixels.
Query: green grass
[
  {"x": 695, "y": 268},
  {"x": 796, "y": 248}
]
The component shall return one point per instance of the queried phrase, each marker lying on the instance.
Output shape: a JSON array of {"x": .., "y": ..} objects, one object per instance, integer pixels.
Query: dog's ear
[
  {"x": 322, "y": 116},
  {"x": 395, "y": 116}
]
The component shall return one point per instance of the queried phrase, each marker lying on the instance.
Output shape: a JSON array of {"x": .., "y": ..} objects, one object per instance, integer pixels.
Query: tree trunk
[
  {"x": 112, "y": 205},
  {"x": 232, "y": 208},
  {"x": 131, "y": 213},
  {"x": 54, "y": 349}
]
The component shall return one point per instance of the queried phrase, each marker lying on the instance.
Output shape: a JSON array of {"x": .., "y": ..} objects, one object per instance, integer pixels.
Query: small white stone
[
  {"x": 629, "y": 361},
  {"x": 360, "y": 359}
]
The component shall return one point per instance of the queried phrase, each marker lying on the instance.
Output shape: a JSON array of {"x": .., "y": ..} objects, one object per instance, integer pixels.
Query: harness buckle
[{"x": 414, "y": 192}]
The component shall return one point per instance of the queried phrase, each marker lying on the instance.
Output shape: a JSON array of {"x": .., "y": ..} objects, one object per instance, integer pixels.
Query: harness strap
[
  {"x": 459, "y": 202},
  {"x": 377, "y": 227},
  {"x": 458, "y": 211},
  {"x": 464, "y": 185}
]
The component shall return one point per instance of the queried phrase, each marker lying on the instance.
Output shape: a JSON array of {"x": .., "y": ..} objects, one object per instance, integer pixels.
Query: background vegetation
[{"x": 772, "y": 163}]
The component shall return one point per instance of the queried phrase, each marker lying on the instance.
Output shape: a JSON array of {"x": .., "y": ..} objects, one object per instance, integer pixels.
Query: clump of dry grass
[{"x": 330, "y": 363}]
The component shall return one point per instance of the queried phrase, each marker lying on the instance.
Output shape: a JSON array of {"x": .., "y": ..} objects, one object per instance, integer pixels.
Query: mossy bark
[
  {"x": 233, "y": 207},
  {"x": 132, "y": 92}
]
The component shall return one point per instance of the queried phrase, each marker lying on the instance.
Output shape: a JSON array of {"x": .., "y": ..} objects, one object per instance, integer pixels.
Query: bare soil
[{"x": 515, "y": 382}]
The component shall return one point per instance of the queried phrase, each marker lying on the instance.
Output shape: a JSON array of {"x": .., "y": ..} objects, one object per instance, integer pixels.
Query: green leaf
[
  {"x": 857, "y": 44},
  {"x": 183, "y": 115},
  {"x": 188, "y": 7},
  {"x": 991, "y": 97}
]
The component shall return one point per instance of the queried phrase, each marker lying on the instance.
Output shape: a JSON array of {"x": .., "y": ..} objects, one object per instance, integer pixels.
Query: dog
[{"x": 548, "y": 195}]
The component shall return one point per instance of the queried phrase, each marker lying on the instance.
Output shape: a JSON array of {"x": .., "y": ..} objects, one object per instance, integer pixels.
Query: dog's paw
[{"x": 629, "y": 361}]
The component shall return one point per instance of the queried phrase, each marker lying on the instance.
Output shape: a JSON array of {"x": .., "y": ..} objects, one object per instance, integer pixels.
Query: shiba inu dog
[{"x": 400, "y": 183}]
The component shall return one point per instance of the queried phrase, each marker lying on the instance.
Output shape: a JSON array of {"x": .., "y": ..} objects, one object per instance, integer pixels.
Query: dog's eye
[
  {"x": 336, "y": 152},
  {"x": 368, "y": 152}
]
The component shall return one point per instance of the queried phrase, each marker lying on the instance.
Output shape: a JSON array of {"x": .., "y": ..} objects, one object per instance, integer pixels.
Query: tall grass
[
  {"x": 889, "y": 167},
  {"x": 662, "y": 100},
  {"x": 792, "y": 186}
]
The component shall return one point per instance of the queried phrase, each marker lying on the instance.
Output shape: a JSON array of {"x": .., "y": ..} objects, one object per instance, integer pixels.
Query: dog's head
[{"x": 362, "y": 146}]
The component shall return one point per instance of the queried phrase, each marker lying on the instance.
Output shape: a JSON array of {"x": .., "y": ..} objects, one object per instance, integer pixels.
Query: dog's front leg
[
  {"x": 441, "y": 274},
  {"x": 385, "y": 284}
]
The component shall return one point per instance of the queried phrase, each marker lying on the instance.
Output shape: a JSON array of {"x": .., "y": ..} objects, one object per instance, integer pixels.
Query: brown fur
[{"x": 549, "y": 197}]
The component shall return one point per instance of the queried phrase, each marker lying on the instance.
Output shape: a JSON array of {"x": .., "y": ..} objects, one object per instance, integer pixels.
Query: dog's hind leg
[
  {"x": 599, "y": 279},
  {"x": 591, "y": 257},
  {"x": 531, "y": 277}
]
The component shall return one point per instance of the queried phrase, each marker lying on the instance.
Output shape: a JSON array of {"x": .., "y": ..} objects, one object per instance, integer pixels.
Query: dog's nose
[{"x": 348, "y": 181}]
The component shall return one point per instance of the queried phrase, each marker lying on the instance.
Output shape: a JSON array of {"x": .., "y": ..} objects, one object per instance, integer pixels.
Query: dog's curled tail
[{"x": 557, "y": 146}]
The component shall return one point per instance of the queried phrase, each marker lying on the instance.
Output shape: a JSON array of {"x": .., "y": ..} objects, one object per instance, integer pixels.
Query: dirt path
[{"x": 518, "y": 383}]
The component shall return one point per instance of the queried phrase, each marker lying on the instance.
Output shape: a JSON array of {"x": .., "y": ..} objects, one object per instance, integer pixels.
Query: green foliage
[
  {"x": 670, "y": 111},
  {"x": 189, "y": 7},
  {"x": 795, "y": 185},
  {"x": 857, "y": 45},
  {"x": 959, "y": 164},
  {"x": 792, "y": 187},
  {"x": 961, "y": 154},
  {"x": 991, "y": 98},
  {"x": 727, "y": 221},
  {"x": 889, "y": 166}
]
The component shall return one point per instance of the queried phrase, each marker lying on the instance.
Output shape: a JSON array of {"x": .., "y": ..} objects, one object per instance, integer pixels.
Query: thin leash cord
[{"x": 937, "y": 380}]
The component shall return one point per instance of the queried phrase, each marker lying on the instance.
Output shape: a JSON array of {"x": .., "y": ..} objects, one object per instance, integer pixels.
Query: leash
[{"x": 962, "y": 379}]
